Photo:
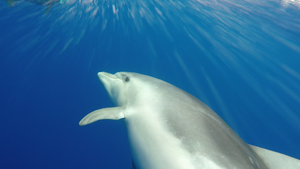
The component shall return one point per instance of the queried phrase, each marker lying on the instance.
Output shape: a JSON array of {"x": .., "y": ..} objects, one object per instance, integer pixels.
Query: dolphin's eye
[{"x": 126, "y": 79}]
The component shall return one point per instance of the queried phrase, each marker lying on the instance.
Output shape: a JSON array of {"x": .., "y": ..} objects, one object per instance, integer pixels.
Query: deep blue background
[{"x": 241, "y": 58}]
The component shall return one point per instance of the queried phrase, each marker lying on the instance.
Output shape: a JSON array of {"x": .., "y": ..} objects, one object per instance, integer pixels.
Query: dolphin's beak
[
  {"x": 107, "y": 80},
  {"x": 113, "y": 85},
  {"x": 105, "y": 75},
  {"x": 110, "y": 82}
]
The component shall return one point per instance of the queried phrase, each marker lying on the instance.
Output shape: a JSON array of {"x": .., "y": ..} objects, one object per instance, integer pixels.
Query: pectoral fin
[
  {"x": 114, "y": 113},
  {"x": 276, "y": 160}
]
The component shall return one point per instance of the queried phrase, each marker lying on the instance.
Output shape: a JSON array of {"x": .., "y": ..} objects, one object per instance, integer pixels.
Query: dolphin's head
[
  {"x": 121, "y": 90},
  {"x": 123, "y": 87},
  {"x": 117, "y": 85}
]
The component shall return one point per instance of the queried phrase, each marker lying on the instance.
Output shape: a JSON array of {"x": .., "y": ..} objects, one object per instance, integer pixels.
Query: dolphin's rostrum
[{"x": 170, "y": 129}]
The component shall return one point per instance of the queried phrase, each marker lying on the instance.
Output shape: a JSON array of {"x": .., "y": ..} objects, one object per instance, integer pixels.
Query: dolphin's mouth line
[{"x": 109, "y": 75}]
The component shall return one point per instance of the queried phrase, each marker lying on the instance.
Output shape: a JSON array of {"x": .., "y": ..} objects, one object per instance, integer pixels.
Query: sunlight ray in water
[{"x": 287, "y": 3}]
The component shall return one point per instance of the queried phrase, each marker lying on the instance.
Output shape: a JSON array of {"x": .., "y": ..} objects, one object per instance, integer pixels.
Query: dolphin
[{"x": 171, "y": 129}]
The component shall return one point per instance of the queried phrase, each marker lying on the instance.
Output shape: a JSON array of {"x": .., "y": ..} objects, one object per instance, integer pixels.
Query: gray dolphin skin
[{"x": 170, "y": 129}]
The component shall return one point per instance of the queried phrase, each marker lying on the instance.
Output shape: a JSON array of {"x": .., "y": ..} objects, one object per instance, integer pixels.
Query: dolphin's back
[{"x": 205, "y": 134}]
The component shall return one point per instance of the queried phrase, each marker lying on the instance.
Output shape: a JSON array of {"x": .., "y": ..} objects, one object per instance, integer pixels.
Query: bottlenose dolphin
[{"x": 170, "y": 129}]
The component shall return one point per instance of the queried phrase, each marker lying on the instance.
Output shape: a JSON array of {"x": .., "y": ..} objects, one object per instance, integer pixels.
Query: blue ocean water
[{"x": 240, "y": 57}]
